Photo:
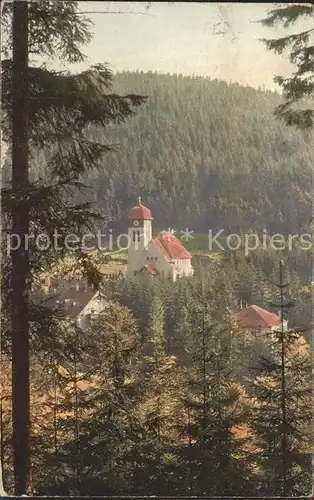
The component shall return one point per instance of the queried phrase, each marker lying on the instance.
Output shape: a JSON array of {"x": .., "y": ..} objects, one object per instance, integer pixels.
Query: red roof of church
[
  {"x": 140, "y": 213},
  {"x": 161, "y": 248},
  {"x": 171, "y": 247},
  {"x": 256, "y": 317}
]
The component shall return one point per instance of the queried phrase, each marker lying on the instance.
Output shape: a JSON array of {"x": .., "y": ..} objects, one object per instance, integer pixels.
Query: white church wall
[
  {"x": 158, "y": 259},
  {"x": 184, "y": 266},
  {"x": 135, "y": 261}
]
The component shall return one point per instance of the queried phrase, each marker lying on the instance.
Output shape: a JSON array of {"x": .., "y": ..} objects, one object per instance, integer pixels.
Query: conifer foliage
[
  {"x": 283, "y": 412},
  {"x": 298, "y": 89},
  {"x": 51, "y": 111}
]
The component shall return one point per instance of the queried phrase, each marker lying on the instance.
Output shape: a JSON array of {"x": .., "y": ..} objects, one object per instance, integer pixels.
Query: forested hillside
[{"x": 204, "y": 154}]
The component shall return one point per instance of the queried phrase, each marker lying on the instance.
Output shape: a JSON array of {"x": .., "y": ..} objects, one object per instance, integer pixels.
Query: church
[{"x": 160, "y": 257}]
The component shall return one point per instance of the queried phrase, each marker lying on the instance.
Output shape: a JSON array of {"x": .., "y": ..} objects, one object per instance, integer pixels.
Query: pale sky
[{"x": 220, "y": 40}]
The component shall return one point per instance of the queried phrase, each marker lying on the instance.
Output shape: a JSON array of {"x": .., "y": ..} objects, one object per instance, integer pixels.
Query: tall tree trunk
[
  {"x": 284, "y": 443},
  {"x": 20, "y": 256},
  {"x": 312, "y": 322},
  {"x": 76, "y": 419},
  {"x": 2, "y": 492}
]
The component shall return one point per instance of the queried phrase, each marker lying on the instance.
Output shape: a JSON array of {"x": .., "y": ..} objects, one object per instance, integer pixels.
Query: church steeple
[{"x": 140, "y": 234}]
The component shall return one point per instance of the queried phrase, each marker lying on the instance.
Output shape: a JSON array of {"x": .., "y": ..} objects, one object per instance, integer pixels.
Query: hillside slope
[{"x": 206, "y": 154}]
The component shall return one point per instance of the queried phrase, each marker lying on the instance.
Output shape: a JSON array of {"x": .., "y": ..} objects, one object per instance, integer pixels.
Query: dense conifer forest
[
  {"x": 206, "y": 154},
  {"x": 165, "y": 394}
]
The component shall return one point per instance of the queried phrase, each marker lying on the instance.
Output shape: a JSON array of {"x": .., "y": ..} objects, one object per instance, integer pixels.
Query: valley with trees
[{"x": 164, "y": 393}]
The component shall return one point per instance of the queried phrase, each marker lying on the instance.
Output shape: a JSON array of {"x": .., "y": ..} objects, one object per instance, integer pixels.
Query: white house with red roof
[{"x": 163, "y": 256}]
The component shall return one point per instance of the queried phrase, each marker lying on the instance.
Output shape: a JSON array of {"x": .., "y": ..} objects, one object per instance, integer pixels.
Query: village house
[
  {"x": 80, "y": 304},
  {"x": 77, "y": 303},
  {"x": 258, "y": 321}
]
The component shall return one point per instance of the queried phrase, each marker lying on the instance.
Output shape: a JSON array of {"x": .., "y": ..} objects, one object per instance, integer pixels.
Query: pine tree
[
  {"x": 283, "y": 410},
  {"x": 56, "y": 383},
  {"x": 107, "y": 430},
  {"x": 215, "y": 458},
  {"x": 153, "y": 458},
  {"x": 2, "y": 156},
  {"x": 298, "y": 88},
  {"x": 57, "y": 110}
]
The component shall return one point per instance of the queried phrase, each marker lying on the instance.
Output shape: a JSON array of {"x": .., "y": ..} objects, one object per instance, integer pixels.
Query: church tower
[{"x": 140, "y": 234}]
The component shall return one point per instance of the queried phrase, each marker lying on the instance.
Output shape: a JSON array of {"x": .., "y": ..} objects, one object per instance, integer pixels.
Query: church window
[{"x": 136, "y": 236}]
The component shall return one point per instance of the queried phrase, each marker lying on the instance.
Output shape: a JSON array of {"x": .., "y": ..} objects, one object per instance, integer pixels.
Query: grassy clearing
[
  {"x": 199, "y": 244},
  {"x": 114, "y": 256}
]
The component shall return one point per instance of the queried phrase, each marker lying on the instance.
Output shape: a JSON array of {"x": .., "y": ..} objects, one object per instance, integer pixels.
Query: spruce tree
[
  {"x": 57, "y": 110},
  {"x": 107, "y": 417},
  {"x": 298, "y": 88},
  {"x": 214, "y": 457},
  {"x": 154, "y": 460},
  {"x": 283, "y": 411}
]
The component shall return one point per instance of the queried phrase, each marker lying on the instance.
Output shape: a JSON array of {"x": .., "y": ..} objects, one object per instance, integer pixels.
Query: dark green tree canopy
[{"x": 297, "y": 89}]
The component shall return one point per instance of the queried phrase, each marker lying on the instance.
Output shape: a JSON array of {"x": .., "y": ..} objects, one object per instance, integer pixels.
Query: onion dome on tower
[{"x": 140, "y": 212}]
